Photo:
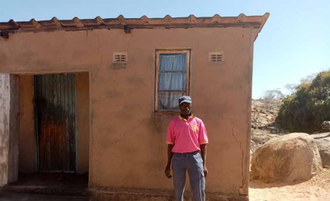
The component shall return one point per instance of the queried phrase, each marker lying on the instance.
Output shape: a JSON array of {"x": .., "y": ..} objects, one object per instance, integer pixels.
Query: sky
[{"x": 294, "y": 43}]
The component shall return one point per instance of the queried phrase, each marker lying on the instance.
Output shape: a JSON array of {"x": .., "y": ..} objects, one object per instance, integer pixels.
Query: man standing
[{"x": 187, "y": 139}]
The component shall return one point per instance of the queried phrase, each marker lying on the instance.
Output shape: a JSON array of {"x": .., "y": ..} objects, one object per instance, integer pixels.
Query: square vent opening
[
  {"x": 120, "y": 57},
  {"x": 216, "y": 56},
  {"x": 119, "y": 60}
]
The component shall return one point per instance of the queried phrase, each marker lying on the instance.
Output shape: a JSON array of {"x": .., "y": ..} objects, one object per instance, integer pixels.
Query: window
[{"x": 172, "y": 78}]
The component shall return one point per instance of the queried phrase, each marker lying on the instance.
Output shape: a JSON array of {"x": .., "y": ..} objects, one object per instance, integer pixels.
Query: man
[{"x": 187, "y": 139}]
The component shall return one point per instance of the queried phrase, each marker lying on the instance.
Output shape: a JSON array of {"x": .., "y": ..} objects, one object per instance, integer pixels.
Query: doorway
[
  {"x": 50, "y": 128},
  {"x": 55, "y": 122}
]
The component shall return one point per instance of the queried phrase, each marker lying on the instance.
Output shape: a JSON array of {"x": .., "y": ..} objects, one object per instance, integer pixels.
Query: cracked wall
[{"x": 127, "y": 147}]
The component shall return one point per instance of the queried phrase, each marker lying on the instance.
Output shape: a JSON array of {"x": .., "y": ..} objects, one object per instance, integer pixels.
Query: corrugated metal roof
[{"x": 134, "y": 23}]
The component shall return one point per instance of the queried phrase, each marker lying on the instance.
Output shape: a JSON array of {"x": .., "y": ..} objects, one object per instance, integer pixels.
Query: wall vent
[
  {"x": 216, "y": 56},
  {"x": 120, "y": 57},
  {"x": 119, "y": 60}
]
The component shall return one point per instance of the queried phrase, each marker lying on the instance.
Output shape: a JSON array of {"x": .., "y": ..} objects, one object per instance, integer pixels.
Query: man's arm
[
  {"x": 169, "y": 160},
  {"x": 203, "y": 152}
]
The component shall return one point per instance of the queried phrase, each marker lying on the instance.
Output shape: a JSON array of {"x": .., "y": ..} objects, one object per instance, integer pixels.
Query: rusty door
[{"x": 55, "y": 109}]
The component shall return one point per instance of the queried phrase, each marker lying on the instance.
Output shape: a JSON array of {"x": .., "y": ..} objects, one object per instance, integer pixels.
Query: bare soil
[{"x": 315, "y": 189}]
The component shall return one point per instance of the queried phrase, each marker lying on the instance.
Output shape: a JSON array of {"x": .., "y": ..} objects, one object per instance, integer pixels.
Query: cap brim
[{"x": 185, "y": 101}]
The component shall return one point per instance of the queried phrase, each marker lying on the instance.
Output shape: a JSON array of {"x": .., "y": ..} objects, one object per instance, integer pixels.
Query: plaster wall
[
  {"x": 13, "y": 159},
  {"x": 82, "y": 123},
  {"x": 127, "y": 146},
  {"x": 27, "y": 138},
  {"x": 4, "y": 127},
  {"x": 8, "y": 128}
]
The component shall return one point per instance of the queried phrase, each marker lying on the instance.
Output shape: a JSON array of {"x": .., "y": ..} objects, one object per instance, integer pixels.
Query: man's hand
[
  {"x": 169, "y": 161},
  {"x": 203, "y": 152},
  {"x": 168, "y": 172},
  {"x": 205, "y": 171}
]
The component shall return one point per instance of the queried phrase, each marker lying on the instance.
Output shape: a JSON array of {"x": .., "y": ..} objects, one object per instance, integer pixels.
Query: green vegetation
[{"x": 308, "y": 106}]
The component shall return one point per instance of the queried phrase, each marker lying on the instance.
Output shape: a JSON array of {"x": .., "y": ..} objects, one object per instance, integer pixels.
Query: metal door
[{"x": 55, "y": 109}]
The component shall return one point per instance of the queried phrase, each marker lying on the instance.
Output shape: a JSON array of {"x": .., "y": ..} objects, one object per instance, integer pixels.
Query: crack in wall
[
  {"x": 128, "y": 43},
  {"x": 240, "y": 146},
  {"x": 124, "y": 135},
  {"x": 111, "y": 145}
]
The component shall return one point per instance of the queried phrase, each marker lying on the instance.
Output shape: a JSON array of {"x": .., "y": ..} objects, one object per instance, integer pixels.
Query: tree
[
  {"x": 292, "y": 88},
  {"x": 270, "y": 96},
  {"x": 308, "y": 106},
  {"x": 308, "y": 79}
]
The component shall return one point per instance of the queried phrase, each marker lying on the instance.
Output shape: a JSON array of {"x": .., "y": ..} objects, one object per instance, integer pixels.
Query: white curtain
[{"x": 172, "y": 80}]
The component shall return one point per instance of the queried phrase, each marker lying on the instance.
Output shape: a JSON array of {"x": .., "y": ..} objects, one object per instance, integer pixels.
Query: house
[{"x": 97, "y": 95}]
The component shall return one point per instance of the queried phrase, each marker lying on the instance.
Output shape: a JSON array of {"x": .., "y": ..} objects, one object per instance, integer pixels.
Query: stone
[
  {"x": 323, "y": 144},
  {"x": 289, "y": 158},
  {"x": 326, "y": 125},
  {"x": 259, "y": 139}
]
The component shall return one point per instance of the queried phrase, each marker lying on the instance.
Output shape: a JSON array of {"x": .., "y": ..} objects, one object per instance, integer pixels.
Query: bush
[{"x": 308, "y": 107}]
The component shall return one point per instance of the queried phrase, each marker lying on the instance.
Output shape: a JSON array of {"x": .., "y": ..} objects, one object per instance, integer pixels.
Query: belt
[{"x": 187, "y": 153}]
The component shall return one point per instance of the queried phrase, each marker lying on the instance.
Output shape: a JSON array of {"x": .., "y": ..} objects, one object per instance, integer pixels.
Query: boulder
[
  {"x": 326, "y": 125},
  {"x": 289, "y": 158},
  {"x": 323, "y": 144},
  {"x": 258, "y": 139}
]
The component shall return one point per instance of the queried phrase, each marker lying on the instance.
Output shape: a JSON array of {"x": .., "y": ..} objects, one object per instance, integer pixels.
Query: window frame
[{"x": 172, "y": 51}]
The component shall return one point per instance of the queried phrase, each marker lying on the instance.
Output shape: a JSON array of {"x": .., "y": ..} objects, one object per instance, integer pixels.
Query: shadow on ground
[
  {"x": 35, "y": 197},
  {"x": 262, "y": 185}
]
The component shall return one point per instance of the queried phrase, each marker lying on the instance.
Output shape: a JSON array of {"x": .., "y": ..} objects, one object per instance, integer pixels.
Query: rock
[
  {"x": 258, "y": 139},
  {"x": 289, "y": 158},
  {"x": 268, "y": 117},
  {"x": 323, "y": 144},
  {"x": 326, "y": 125},
  {"x": 263, "y": 116}
]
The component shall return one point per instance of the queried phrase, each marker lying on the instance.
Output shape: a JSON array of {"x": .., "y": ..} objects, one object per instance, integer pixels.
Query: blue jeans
[{"x": 194, "y": 164}]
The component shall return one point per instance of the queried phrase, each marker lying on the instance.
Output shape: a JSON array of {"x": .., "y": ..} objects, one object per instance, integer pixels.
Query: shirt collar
[{"x": 190, "y": 117}]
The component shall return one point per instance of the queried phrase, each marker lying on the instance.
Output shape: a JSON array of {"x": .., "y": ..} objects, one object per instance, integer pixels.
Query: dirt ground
[{"x": 315, "y": 189}]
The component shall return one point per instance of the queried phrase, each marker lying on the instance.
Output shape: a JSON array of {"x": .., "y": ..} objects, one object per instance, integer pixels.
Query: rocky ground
[{"x": 264, "y": 128}]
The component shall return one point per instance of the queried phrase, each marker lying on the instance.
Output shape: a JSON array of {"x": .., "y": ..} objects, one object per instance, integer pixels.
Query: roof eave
[
  {"x": 263, "y": 22},
  {"x": 256, "y": 22}
]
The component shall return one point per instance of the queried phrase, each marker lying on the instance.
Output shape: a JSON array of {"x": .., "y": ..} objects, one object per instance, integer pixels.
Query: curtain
[{"x": 172, "y": 80}]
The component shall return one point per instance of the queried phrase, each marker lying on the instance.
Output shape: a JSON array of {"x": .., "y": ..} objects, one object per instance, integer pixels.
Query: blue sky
[{"x": 294, "y": 43}]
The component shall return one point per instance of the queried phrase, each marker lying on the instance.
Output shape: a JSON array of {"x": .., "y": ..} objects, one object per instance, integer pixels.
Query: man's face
[{"x": 185, "y": 108}]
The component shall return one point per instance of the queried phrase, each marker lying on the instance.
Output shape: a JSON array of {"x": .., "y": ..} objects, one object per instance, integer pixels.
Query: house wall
[
  {"x": 127, "y": 147},
  {"x": 13, "y": 160},
  {"x": 4, "y": 128},
  {"x": 83, "y": 128},
  {"x": 27, "y": 138},
  {"x": 8, "y": 128}
]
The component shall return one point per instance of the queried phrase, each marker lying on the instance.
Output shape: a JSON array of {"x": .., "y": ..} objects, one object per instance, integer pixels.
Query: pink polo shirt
[{"x": 186, "y": 135}]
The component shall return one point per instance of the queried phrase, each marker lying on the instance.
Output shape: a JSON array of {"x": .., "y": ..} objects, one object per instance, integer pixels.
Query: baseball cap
[{"x": 184, "y": 99}]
